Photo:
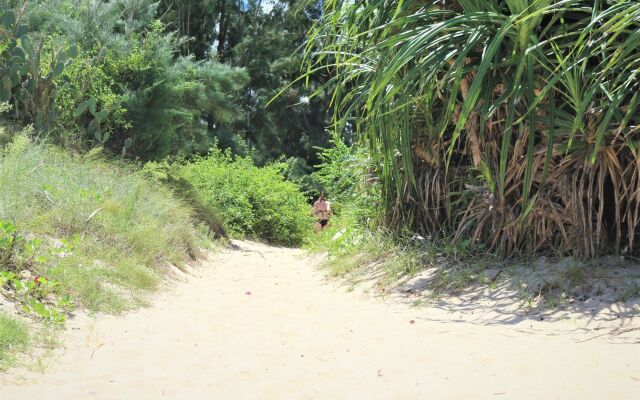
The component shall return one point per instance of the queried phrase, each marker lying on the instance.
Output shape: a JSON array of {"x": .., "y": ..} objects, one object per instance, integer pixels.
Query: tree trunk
[{"x": 222, "y": 32}]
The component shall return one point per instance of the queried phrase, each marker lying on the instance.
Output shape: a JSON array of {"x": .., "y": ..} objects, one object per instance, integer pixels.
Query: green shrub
[
  {"x": 91, "y": 95},
  {"x": 116, "y": 228},
  {"x": 253, "y": 201}
]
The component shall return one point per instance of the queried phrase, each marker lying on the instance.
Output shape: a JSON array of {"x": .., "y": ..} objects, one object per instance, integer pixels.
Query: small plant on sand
[
  {"x": 20, "y": 279},
  {"x": 630, "y": 292},
  {"x": 574, "y": 275},
  {"x": 14, "y": 337}
]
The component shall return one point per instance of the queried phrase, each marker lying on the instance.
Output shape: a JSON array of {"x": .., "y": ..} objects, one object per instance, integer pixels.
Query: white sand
[{"x": 296, "y": 336}]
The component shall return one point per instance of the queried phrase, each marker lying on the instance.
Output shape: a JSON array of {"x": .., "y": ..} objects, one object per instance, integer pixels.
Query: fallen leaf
[{"x": 379, "y": 372}]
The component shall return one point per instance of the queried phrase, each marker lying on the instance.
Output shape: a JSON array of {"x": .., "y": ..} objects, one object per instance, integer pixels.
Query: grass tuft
[{"x": 14, "y": 337}]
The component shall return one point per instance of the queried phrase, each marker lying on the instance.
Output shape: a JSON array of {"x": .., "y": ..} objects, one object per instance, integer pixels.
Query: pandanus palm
[{"x": 507, "y": 123}]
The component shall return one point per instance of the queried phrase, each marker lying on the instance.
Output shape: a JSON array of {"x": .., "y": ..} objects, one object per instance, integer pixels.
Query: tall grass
[
  {"x": 117, "y": 229},
  {"x": 511, "y": 125}
]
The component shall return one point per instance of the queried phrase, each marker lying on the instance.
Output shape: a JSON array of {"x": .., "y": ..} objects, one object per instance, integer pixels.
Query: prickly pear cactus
[{"x": 23, "y": 83}]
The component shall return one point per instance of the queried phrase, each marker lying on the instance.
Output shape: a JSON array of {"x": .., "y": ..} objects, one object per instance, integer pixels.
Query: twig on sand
[{"x": 94, "y": 350}]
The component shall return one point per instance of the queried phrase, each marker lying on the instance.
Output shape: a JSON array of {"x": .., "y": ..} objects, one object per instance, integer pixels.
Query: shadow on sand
[{"x": 542, "y": 298}]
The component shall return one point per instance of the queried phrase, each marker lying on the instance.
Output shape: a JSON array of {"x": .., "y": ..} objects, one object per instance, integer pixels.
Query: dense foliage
[
  {"x": 252, "y": 201},
  {"x": 127, "y": 88},
  {"x": 154, "y": 79},
  {"x": 508, "y": 124},
  {"x": 265, "y": 38}
]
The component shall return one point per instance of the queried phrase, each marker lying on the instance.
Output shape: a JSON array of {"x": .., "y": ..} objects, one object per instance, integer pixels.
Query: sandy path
[{"x": 296, "y": 336}]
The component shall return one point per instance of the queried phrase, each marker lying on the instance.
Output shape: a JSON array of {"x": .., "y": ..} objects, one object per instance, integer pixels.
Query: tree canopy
[{"x": 154, "y": 79}]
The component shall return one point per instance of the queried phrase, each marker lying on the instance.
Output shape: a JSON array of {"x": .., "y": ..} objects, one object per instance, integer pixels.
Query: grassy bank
[
  {"x": 82, "y": 231},
  {"x": 356, "y": 252},
  {"x": 112, "y": 229}
]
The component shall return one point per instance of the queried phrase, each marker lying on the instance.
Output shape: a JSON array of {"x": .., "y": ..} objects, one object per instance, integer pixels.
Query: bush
[
  {"x": 116, "y": 228},
  {"x": 253, "y": 201}
]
